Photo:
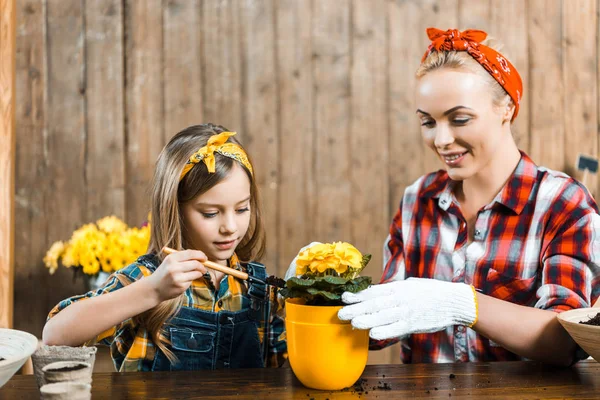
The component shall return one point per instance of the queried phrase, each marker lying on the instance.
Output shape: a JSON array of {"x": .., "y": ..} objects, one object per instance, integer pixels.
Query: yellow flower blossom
[
  {"x": 111, "y": 224},
  {"x": 323, "y": 258},
  {"x": 348, "y": 255},
  {"x": 107, "y": 245},
  {"x": 52, "y": 256},
  {"x": 329, "y": 262}
]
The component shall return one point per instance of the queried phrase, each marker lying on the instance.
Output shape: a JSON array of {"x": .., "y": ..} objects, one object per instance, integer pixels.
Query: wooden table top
[{"x": 501, "y": 380}]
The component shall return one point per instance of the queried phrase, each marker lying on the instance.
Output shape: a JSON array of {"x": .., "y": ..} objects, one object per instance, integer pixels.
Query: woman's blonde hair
[
  {"x": 464, "y": 61},
  {"x": 167, "y": 228}
]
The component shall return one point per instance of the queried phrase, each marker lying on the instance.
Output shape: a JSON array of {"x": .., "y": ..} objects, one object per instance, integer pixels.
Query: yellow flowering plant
[
  {"x": 326, "y": 270},
  {"x": 106, "y": 245}
]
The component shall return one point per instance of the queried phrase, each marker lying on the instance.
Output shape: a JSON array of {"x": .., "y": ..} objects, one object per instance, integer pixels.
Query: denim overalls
[{"x": 215, "y": 340}]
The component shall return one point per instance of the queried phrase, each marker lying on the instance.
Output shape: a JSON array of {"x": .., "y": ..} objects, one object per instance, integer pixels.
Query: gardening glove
[
  {"x": 291, "y": 271},
  {"x": 415, "y": 305}
]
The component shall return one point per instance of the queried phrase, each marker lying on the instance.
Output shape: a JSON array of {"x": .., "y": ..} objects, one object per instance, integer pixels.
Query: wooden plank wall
[
  {"x": 320, "y": 91},
  {"x": 8, "y": 14}
]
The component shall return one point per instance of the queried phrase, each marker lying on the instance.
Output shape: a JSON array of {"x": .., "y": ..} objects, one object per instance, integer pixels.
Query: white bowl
[
  {"x": 586, "y": 336},
  {"x": 15, "y": 347}
]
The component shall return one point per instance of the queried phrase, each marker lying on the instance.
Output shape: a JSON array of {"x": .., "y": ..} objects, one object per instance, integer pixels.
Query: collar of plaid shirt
[{"x": 514, "y": 195}]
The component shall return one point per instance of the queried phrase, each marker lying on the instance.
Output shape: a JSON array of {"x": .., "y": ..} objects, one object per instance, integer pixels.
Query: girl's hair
[
  {"x": 464, "y": 61},
  {"x": 168, "y": 195}
]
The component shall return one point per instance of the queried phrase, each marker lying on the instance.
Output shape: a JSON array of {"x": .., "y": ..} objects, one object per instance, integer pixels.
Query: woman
[{"x": 482, "y": 255}]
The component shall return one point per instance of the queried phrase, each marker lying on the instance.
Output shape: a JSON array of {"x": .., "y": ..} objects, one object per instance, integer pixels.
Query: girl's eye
[
  {"x": 209, "y": 215},
  {"x": 428, "y": 123},
  {"x": 243, "y": 210}
]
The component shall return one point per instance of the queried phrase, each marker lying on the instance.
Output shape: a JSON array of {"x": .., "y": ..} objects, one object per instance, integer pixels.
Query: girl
[
  {"x": 482, "y": 255},
  {"x": 170, "y": 312}
]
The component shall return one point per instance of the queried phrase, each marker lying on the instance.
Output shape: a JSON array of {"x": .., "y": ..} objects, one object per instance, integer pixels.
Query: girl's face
[
  {"x": 216, "y": 221},
  {"x": 459, "y": 120}
]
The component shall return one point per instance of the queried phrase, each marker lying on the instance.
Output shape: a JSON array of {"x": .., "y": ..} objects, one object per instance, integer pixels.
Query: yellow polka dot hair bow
[{"x": 217, "y": 143}]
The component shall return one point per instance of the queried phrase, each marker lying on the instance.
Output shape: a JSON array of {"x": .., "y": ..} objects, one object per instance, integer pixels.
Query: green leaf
[
  {"x": 333, "y": 284},
  {"x": 335, "y": 280},
  {"x": 294, "y": 282},
  {"x": 323, "y": 293},
  {"x": 365, "y": 260},
  {"x": 358, "y": 284}
]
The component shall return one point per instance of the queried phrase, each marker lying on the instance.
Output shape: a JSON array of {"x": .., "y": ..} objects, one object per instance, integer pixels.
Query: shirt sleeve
[
  {"x": 393, "y": 251},
  {"x": 116, "y": 281},
  {"x": 571, "y": 265}
]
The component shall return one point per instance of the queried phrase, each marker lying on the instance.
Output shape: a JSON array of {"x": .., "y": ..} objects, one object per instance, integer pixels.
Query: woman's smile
[{"x": 453, "y": 159}]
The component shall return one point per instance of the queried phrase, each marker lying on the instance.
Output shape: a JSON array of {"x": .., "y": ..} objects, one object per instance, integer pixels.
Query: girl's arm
[
  {"x": 85, "y": 319},
  {"x": 529, "y": 332}
]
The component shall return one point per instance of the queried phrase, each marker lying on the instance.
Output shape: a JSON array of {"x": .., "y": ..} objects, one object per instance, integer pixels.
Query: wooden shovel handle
[{"x": 214, "y": 266}]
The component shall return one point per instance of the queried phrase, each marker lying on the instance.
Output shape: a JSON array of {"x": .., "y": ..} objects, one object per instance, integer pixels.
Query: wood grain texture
[
  {"x": 546, "y": 83},
  {"x": 369, "y": 136},
  {"x": 296, "y": 134},
  {"x": 32, "y": 180},
  {"x": 332, "y": 93},
  {"x": 144, "y": 114},
  {"x": 8, "y": 21},
  {"x": 580, "y": 66},
  {"x": 509, "y": 24},
  {"x": 259, "y": 131},
  {"x": 497, "y": 380},
  {"x": 104, "y": 109},
  {"x": 65, "y": 150},
  {"x": 183, "y": 65},
  {"x": 222, "y": 66}
]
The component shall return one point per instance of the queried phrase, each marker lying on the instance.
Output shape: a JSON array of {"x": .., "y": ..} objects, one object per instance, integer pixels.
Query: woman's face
[{"x": 459, "y": 120}]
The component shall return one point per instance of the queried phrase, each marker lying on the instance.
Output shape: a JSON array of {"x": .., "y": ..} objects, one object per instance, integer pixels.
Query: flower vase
[
  {"x": 95, "y": 282},
  {"x": 324, "y": 352}
]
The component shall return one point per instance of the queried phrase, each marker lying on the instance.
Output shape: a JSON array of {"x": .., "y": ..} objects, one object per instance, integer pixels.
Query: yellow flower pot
[{"x": 324, "y": 352}]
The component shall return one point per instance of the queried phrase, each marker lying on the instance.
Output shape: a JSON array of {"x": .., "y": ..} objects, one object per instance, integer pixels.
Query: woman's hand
[
  {"x": 176, "y": 273},
  {"x": 415, "y": 305}
]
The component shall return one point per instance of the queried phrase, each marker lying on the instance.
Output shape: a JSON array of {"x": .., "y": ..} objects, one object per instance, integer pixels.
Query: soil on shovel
[
  {"x": 275, "y": 281},
  {"x": 592, "y": 321}
]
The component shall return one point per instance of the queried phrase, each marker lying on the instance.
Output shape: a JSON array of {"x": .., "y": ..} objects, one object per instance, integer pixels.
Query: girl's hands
[{"x": 176, "y": 273}]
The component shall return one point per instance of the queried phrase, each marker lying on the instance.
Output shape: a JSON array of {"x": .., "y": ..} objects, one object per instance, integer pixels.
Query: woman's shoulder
[
  {"x": 556, "y": 186},
  {"x": 564, "y": 202},
  {"x": 427, "y": 185}
]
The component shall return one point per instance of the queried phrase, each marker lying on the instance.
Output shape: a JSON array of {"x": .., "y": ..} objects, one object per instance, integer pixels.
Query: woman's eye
[
  {"x": 209, "y": 215},
  {"x": 427, "y": 123},
  {"x": 243, "y": 210},
  {"x": 460, "y": 121}
]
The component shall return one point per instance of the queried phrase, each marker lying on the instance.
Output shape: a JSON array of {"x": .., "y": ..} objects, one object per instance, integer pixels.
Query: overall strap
[
  {"x": 257, "y": 291},
  {"x": 260, "y": 307}
]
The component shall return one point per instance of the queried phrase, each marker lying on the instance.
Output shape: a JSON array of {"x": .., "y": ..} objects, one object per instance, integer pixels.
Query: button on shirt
[{"x": 535, "y": 244}]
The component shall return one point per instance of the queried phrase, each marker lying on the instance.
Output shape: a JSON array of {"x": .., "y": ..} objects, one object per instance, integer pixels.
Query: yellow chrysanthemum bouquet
[
  {"x": 106, "y": 245},
  {"x": 326, "y": 270}
]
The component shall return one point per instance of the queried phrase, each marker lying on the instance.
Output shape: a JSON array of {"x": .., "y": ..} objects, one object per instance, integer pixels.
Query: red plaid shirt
[{"x": 536, "y": 244}]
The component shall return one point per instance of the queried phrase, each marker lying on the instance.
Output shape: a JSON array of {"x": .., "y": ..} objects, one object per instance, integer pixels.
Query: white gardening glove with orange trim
[{"x": 415, "y": 305}]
